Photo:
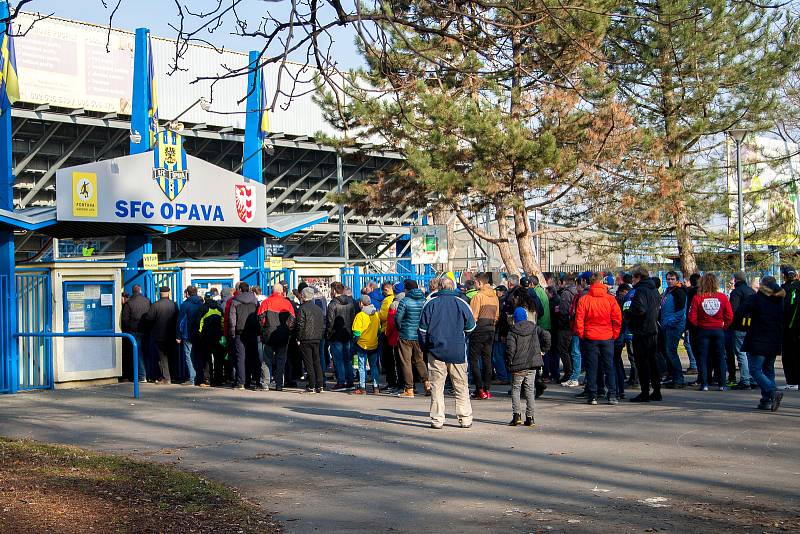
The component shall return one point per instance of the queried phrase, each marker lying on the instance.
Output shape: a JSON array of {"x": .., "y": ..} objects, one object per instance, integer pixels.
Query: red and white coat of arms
[{"x": 245, "y": 202}]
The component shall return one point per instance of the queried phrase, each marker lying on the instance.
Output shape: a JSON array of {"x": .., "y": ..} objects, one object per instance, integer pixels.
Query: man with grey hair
[
  {"x": 741, "y": 292},
  {"x": 310, "y": 329},
  {"x": 446, "y": 320}
]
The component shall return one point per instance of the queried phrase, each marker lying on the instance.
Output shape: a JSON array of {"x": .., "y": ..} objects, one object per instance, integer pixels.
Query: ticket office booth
[
  {"x": 86, "y": 298},
  {"x": 206, "y": 274}
]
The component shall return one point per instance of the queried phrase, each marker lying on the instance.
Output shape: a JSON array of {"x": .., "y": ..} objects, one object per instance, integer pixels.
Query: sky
[{"x": 158, "y": 14}]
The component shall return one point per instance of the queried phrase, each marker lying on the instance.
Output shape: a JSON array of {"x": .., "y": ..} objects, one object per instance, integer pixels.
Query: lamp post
[{"x": 738, "y": 136}]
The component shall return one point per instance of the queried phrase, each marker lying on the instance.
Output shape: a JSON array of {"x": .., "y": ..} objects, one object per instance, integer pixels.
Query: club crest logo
[
  {"x": 245, "y": 202},
  {"x": 711, "y": 306},
  {"x": 169, "y": 168}
]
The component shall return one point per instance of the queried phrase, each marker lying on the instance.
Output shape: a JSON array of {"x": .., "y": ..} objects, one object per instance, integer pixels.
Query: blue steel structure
[
  {"x": 251, "y": 250},
  {"x": 34, "y": 315},
  {"x": 9, "y": 359},
  {"x": 353, "y": 277},
  {"x": 136, "y": 246}
]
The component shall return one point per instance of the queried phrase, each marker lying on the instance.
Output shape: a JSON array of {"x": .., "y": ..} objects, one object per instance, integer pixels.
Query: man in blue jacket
[
  {"x": 446, "y": 320},
  {"x": 187, "y": 329},
  {"x": 673, "y": 322},
  {"x": 407, "y": 320}
]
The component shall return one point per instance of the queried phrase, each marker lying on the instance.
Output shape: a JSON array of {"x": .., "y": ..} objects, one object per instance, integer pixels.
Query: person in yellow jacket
[
  {"x": 365, "y": 331},
  {"x": 388, "y": 359}
]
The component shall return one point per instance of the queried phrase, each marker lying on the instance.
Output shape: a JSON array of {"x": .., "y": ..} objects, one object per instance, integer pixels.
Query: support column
[
  {"x": 136, "y": 246},
  {"x": 7, "y": 266},
  {"x": 252, "y": 250}
]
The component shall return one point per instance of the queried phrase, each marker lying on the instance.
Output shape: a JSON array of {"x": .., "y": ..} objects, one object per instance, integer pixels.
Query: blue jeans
[
  {"x": 687, "y": 344},
  {"x": 709, "y": 341},
  {"x": 552, "y": 362},
  {"x": 575, "y": 354},
  {"x": 188, "y": 356},
  {"x": 499, "y": 361},
  {"x": 762, "y": 369},
  {"x": 741, "y": 358},
  {"x": 672, "y": 336},
  {"x": 363, "y": 355},
  {"x": 342, "y": 353},
  {"x": 599, "y": 353},
  {"x": 322, "y": 362},
  {"x": 140, "y": 345}
]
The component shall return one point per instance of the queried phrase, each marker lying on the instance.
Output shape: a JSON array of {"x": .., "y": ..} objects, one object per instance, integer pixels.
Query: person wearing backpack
[
  {"x": 277, "y": 317},
  {"x": 244, "y": 337},
  {"x": 212, "y": 334}
]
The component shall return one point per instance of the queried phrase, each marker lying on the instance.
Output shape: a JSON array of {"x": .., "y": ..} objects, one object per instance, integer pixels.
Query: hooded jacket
[
  {"x": 711, "y": 311},
  {"x": 526, "y": 343},
  {"x": 384, "y": 310},
  {"x": 545, "y": 320},
  {"x": 341, "y": 312},
  {"x": 597, "y": 316},
  {"x": 765, "y": 309},
  {"x": 443, "y": 326},
  {"x": 244, "y": 305},
  {"x": 673, "y": 308},
  {"x": 365, "y": 328},
  {"x": 188, "y": 326},
  {"x": 276, "y": 315},
  {"x": 310, "y": 325},
  {"x": 641, "y": 308},
  {"x": 566, "y": 294},
  {"x": 485, "y": 309},
  {"x": 409, "y": 312}
]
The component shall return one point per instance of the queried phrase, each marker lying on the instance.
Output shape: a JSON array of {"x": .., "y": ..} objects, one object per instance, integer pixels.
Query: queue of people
[{"x": 403, "y": 340}]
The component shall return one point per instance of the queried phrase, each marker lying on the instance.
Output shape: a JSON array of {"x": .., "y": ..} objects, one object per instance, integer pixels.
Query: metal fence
[
  {"x": 266, "y": 278},
  {"x": 34, "y": 315},
  {"x": 6, "y": 340},
  {"x": 353, "y": 277},
  {"x": 169, "y": 277}
]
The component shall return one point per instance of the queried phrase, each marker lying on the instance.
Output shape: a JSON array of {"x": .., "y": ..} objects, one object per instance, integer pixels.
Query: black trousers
[
  {"x": 790, "y": 359},
  {"x": 480, "y": 359},
  {"x": 309, "y": 350},
  {"x": 164, "y": 349},
  {"x": 243, "y": 350},
  {"x": 565, "y": 351},
  {"x": 276, "y": 356},
  {"x": 389, "y": 363},
  {"x": 213, "y": 358},
  {"x": 644, "y": 352}
]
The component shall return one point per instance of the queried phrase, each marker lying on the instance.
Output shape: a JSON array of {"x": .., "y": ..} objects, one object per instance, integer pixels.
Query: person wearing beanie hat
[
  {"x": 762, "y": 317},
  {"x": 526, "y": 343}
]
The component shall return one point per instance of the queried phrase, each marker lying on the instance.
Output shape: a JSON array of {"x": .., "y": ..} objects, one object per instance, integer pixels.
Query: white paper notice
[
  {"x": 106, "y": 299},
  {"x": 92, "y": 292},
  {"x": 77, "y": 320}
]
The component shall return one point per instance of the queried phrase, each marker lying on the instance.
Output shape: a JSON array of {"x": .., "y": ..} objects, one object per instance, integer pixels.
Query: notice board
[{"x": 89, "y": 307}]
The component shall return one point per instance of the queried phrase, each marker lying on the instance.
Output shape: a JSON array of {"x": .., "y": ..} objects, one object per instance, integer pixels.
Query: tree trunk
[
  {"x": 685, "y": 245},
  {"x": 443, "y": 215},
  {"x": 504, "y": 246},
  {"x": 522, "y": 229}
]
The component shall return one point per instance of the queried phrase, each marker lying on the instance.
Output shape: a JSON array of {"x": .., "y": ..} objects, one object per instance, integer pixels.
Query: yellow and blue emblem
[{"x": 170, "y": 164}]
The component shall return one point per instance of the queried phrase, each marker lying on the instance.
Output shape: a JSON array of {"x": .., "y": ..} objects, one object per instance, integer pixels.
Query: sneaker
[
  {"x": 723, "y": 388},
  {"x": 487, "y": 395},
  {"x": 466, "y": 426},
  {"x": 656, "y": 396},
  {"x": 437, "y": 427},
  {"x": 338, "y": 387},
  {"x": 376, "y": 390},
  {"x": 319, "y": 390},
  {"x": 613, "y": 401},
  {"x": 741, "y": 386},
  {"x": 592, "y": 401},
  {"x": 704, "y": 388},
  {"x": 240, "y": 388},
  {"x": 571, "y": 384},
  {"x": 621, "y": 396},
  {"x": 516, "y": 420},
  {"x": 357, "y": 391},
  {"x": 674, "y": 385},
  {"x": 407, "y": 394},
  {"x": 529, "y": 421},
  {"x": 309, "y": 390},
  {"x": 776, "y": 401},
  {"x": 478, "y": 395},
  {"x": 428, "y": 392},
  {"x": 790, "y": 387},
  {"x": 640, "y": 398},
  {"x": 204, "y": 385}
]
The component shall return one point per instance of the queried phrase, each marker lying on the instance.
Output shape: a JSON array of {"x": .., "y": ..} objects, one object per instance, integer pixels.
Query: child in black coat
[{"x": 526, "y": 343}]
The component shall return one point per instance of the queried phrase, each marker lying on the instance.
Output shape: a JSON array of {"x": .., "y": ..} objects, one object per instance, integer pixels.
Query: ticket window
[
  {"x": 89, "y": 307},
  {"x": 205, "y": 284}
]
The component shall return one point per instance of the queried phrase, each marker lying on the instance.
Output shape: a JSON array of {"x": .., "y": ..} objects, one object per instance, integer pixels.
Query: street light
[{"x": 738, "y": 135}]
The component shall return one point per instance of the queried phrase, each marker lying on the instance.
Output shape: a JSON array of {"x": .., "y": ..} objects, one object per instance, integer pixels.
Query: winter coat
[
  {"x": 485, "y": 309},
  {"x": 765, "y": 309},
  {"x": 526, "y": 343},
  {"x": 791, "y": 310},
  {"x": 244, "y": 305},
  {"x": 409, "y": 312},
  {"x": 597, "y": 316},
  {"x": 365, "y": 328},
  {"x": 132, "y": 312},
  {"x": 211, "y": 326},
  {"x": 376, "y": 297},
  {"x": 188, "y": 325},
  {"x": 741, "y": 292},
  {"x": 443, "y": 327},
  {"x": 673, "y": 308},
  {"x": 711, "y": 312},
  {"x": 392, "y": 334},
  {"x": 276, "y": 316},
  {"x": 641, "y": 308},
  {"x": 384, "y": 309},
  {"x": 341, "y": 312},
  {"x": 544, "y": 315},
  {"x": 161, "y": 319},
  {"x": 310, "y": 325},
  {"x": 567, "y": 294}
]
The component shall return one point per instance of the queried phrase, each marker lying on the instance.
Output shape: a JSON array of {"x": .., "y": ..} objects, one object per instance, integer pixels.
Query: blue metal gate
[
  {"x": 34, "y": 315},
  {"x": 6, "y": 309},
  {"x": 171, "y": 278},
  {"x": 266, "y": 278},
  {"x": 353, "y": 277}
]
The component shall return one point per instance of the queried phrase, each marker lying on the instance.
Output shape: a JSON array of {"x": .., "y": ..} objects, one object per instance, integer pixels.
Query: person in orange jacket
[{"x": 598, "y": 321}]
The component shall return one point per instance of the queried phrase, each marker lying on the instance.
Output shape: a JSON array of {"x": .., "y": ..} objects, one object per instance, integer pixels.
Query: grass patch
[{"x": 53, "y": 488}]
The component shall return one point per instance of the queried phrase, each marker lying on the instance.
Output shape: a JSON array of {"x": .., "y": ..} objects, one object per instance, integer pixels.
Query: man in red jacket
[{"x": 597, "y": 323}]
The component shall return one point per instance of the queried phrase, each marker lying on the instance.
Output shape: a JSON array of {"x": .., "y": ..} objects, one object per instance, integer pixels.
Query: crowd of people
[{"x": 526, "y": 333}]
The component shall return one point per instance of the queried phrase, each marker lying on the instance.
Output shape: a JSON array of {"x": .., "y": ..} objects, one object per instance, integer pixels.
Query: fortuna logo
[
  {"x": 169, "y": 169},
  {"x": 711, "y": 306},
  {"x": 245, "y": 202}
]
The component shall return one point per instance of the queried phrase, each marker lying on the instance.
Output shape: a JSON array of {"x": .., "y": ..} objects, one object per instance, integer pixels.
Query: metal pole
[
  {"x": 343, "y": 248},
  {"x": 740, "y": 203}
]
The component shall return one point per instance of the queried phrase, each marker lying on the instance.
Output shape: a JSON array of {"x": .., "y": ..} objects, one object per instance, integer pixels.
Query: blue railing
[
  {"x": 6, "y": 339},
  {"x": 34, "y": 314},
  {"x": 353, "y": 277},
  {"x": 266, "y": 278},
  {"x": 50, "y": 335}
]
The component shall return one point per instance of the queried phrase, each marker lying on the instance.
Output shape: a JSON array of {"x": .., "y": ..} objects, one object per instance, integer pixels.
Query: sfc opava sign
[{"x": 162, "y": 187}]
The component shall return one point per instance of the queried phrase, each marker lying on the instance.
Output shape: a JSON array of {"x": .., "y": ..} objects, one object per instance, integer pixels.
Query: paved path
[{"x": 336, "y": 462}]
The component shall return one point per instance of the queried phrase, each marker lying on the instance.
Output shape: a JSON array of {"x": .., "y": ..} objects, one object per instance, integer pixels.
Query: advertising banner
[{"x": 162, "y": 187}]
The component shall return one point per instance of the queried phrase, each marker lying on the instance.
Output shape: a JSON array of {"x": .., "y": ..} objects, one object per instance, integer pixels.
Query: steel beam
[
  {"x": 294, "y": 186},
  {"x": 36, "y": 148}
]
